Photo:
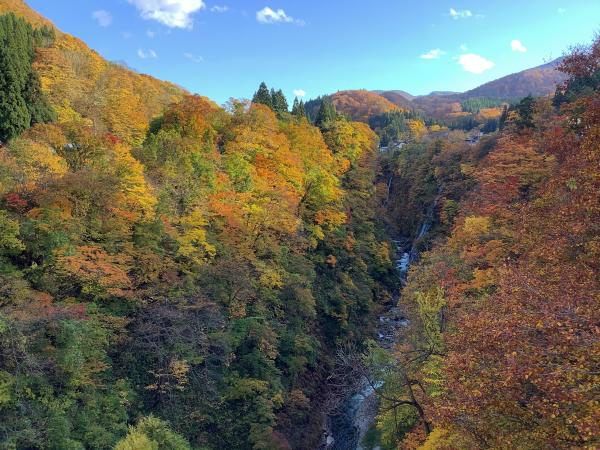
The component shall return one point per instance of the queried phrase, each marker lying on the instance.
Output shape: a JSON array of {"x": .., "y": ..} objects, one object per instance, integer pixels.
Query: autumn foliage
[
  {"x": 361, "y": 105},
  {"x": 175, "y": 273},
  {"x": 82, "y": 86},
  {"x": 519, "y": 275}
]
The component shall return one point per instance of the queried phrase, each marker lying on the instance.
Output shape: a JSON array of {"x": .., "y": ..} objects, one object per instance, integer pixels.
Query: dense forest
[
  {"x": 502, "y": 347},
  {"x": 175, "y": 274},
  {"x": 199, "y": 269}
]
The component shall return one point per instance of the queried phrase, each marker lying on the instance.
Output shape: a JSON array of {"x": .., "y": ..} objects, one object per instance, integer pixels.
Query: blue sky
[{"x": 225, "y": 48}]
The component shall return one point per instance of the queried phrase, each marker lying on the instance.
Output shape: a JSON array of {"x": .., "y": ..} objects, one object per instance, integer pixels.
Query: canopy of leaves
[
  {"x": 511, "y": 358},
  {"x": 361, "y": 105},
  {"x": 177, "y": 273},
  {"x": 80, "y": 85}
]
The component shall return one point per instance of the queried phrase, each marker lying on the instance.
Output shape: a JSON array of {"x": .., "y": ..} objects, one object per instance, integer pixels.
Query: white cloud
[
  {"x": 474, "y": 63},
  {"x": 172, "y": 13},
  {"x": 517, "y": 46},
  {"x": 151, "y": 34},
  {"x": 194, "y": 58},
  {"x": 561, "y": 10},
  {"x": 299, "y": 92},
  {"x": 270, "y": 16},
  {"x": 463, "y": 47},
  {"x": 147, "y": 54},
  {"x": 433, "y": 54},
  {"x": 104, "y": 18},
  {"x": 460, "y": 14},
  {"x": 219, "y": 9},
  {"x": 127, "y": 35}
]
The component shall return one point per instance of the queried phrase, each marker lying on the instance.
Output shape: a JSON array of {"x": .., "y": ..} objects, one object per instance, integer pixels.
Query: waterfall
[{"x": 424, "y": 229}]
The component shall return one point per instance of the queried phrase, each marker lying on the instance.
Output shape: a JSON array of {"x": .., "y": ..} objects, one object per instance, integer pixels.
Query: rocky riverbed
[{"x": 348, "y": 425}]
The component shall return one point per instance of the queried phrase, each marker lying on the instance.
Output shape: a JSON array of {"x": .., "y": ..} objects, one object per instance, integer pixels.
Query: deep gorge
[{"x": 364, "y": 270}]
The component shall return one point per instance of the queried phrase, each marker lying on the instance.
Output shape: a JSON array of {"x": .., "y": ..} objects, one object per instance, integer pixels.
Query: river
[{"x": 348, "y": 424}]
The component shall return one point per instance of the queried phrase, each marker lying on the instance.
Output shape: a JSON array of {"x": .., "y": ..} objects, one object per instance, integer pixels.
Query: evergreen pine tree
[
  {"x": 525, "y": 109},
  {"x": 263, "y": 96},
  {"x": 326, "y": 115},
  {"x": 280, "y": 104},
  {"x": 298, "y": 109},
  {"x": 302, "y": 109},
  {"x": 22, "y": 103},
  {"x": 37, "y": 103}
]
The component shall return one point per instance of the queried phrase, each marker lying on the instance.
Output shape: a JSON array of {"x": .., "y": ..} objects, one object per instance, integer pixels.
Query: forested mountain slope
[
  {"x": 173, "y": 275},
  {"x": 82, "y": 86},
  {"x": 361, "y": 104},
  {"x": 400, "y": 99},
  {"x": 179, "y": 275},
  {"x": 538, "y": 81},
  {"x": 21, "y": 9},
  {"x": 503, "y": 346}
]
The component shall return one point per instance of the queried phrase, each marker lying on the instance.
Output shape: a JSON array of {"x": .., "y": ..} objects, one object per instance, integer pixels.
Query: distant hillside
[
  {"x": 438, "y": 106},
  {"x": 539, "y": 81},
  {"x": 361, "y": 104},
  {"x": 443, "y": 93},
  {"x": 404, "y": 94},
  {"x": 80, "y": 84},
  {"x": 399, "y": 98}
]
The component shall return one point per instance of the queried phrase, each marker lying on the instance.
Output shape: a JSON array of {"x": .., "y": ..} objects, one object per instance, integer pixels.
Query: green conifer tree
[
  {"x": 298, "y": 109},
  {"x": 525, "y": 109},
  {"x": 326, "y": 115},
  {"x": 22, "y": 103},
  {"x": 263, "y": 96},
  {"x": 280, "y": 104}
]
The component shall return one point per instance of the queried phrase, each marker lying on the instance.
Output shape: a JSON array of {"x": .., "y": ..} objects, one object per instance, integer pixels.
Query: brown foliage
[
  {"x": 520, "y": 272},
  {"x": 361, "y": 105}
]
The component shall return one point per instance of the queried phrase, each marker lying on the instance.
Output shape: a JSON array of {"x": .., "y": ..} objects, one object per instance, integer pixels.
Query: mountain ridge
[
  {"x": 362, "y": 104},
  {"x": 544, "y": 88},
  {"x": 22, "y": 9},
  {"x": 77, "y": 81},
  {"x": 537, "y": 81}
]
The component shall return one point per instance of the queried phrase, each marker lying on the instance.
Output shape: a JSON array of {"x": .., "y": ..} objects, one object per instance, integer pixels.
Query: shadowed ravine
[{"x": 349, "y": 423}]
